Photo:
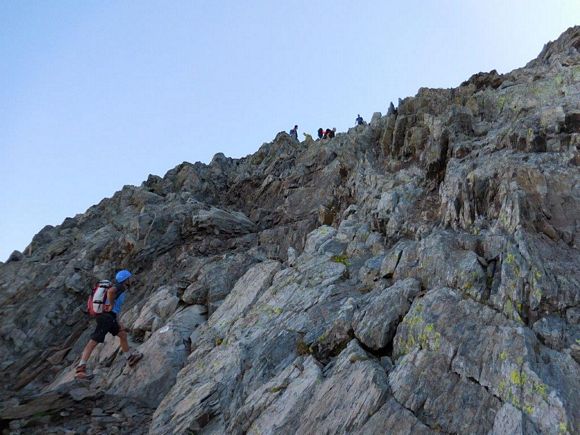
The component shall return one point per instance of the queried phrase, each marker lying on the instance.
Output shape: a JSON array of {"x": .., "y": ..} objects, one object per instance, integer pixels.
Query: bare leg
[
  {"x": 123, "y": 339},
  {"x": 88, "y": 350},
  {"x": 135, "y": 356}
]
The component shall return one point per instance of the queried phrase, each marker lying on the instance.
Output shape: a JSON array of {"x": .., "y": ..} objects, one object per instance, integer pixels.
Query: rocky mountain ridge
[{"x": 418, "y": 274}]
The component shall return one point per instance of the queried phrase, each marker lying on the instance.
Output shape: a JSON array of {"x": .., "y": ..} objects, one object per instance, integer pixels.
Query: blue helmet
[{"x": 122, "y": 276}]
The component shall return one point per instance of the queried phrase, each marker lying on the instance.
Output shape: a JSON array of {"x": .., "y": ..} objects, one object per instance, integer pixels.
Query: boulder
[
  {"x": 164, "y": 354},
  {"x": 380, "y": 311}
]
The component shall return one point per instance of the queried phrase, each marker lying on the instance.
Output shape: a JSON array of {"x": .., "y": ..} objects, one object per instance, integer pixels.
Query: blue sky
[{"x": 98, "y": 94}]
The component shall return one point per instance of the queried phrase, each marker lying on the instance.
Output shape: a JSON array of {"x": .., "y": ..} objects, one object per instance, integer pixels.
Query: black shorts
[{"x": 106, "y": 323}]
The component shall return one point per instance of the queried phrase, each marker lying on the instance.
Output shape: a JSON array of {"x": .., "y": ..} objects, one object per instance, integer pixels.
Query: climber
[
  {"x": 320, "y": 133},
  {"x": 294, "y": 133},
  {"x": 359, "y": 120},
  {"x": 107, "y": 323}
]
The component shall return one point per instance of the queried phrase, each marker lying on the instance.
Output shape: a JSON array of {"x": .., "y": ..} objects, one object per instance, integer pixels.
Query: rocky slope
[{"x": 418, "y": 274}]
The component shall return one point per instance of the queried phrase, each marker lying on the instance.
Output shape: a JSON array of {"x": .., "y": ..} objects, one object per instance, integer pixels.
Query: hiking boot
[
  {"x": 134, "y": 358},
  {"x": 81, "y": 373}
]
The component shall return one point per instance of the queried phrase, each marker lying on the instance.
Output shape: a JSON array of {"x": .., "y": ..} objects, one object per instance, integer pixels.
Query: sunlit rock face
[{"x": 414, "y": 275}]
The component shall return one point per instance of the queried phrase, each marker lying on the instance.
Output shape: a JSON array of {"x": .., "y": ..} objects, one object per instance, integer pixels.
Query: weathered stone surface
[
  {"x": 356, "y": 388},
  {"x": 220, "y": 221},
  {"x": 164, "y": 354},
  {"x": 471, "y": 348},
  {"x": 392, "y": 415},
  {"x": 317, "y": 239},
  {"x": 511, "y": 420},
  {"x": 216, "y": 278},
  {"x": 376, "y": 321},
  {"x": 246, "y": 291},
  {"x": 159, "y": 307},
  {"x": 280, "y": 402},
  {"x": 420, "y": 382}
]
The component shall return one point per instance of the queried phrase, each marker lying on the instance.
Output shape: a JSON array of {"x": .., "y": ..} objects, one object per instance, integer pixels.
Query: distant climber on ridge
[
  {"x": 359, "y": 120},
  {"x": 294, "y": 133},
  {"x": 320, "y": 133},
  {"x": 329, "y": 133},
  {"x": 107, "y": 323}
]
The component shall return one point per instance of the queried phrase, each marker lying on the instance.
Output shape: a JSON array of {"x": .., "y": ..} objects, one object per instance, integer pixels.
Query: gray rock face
[
  {"x": 167, "y": 350},
  {"x": 415, "y": 275},
  {"x": 375, "y": 323},
  {"x": 244, "y": 294},
  {"x": 477, "y": 352}
]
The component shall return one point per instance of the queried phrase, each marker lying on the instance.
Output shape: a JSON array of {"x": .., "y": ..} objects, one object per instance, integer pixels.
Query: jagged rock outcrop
[{"x": 418, "y": 274}]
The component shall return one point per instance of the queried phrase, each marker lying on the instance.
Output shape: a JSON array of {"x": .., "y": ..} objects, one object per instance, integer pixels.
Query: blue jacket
[{"x": 120, "y": 299}]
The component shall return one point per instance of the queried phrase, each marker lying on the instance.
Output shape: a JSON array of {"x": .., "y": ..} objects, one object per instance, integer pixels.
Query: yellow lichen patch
[
  {"x": 430, "y": 336},
  {"x": 278, "y": 311},
  {"x": 343, "y": 259},
  {"x": 510, "y": 258},
  {"x": 518, "y": 378},
  {"x": 511, "y": 388},
  {"x": 412, "y": 321},
  {"x": 503, "y": 356},
  {"x": 405, "y": 345},
  {"x": 511, "y": 312},
  {"x": 423, "y": 340},
  {"x": 562, "y": 428},
  {"x": 426, "y": 338},
  {"x": 541, "y": 389}
]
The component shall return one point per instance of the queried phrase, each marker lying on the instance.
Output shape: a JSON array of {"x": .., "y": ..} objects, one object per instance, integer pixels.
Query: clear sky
[{"x": 98, "y": 94}]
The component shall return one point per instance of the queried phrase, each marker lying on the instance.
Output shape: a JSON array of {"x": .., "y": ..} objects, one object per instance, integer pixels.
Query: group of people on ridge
[
  {"x": 322, "y": 133},
  {"x": 326, "y": 134}
]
